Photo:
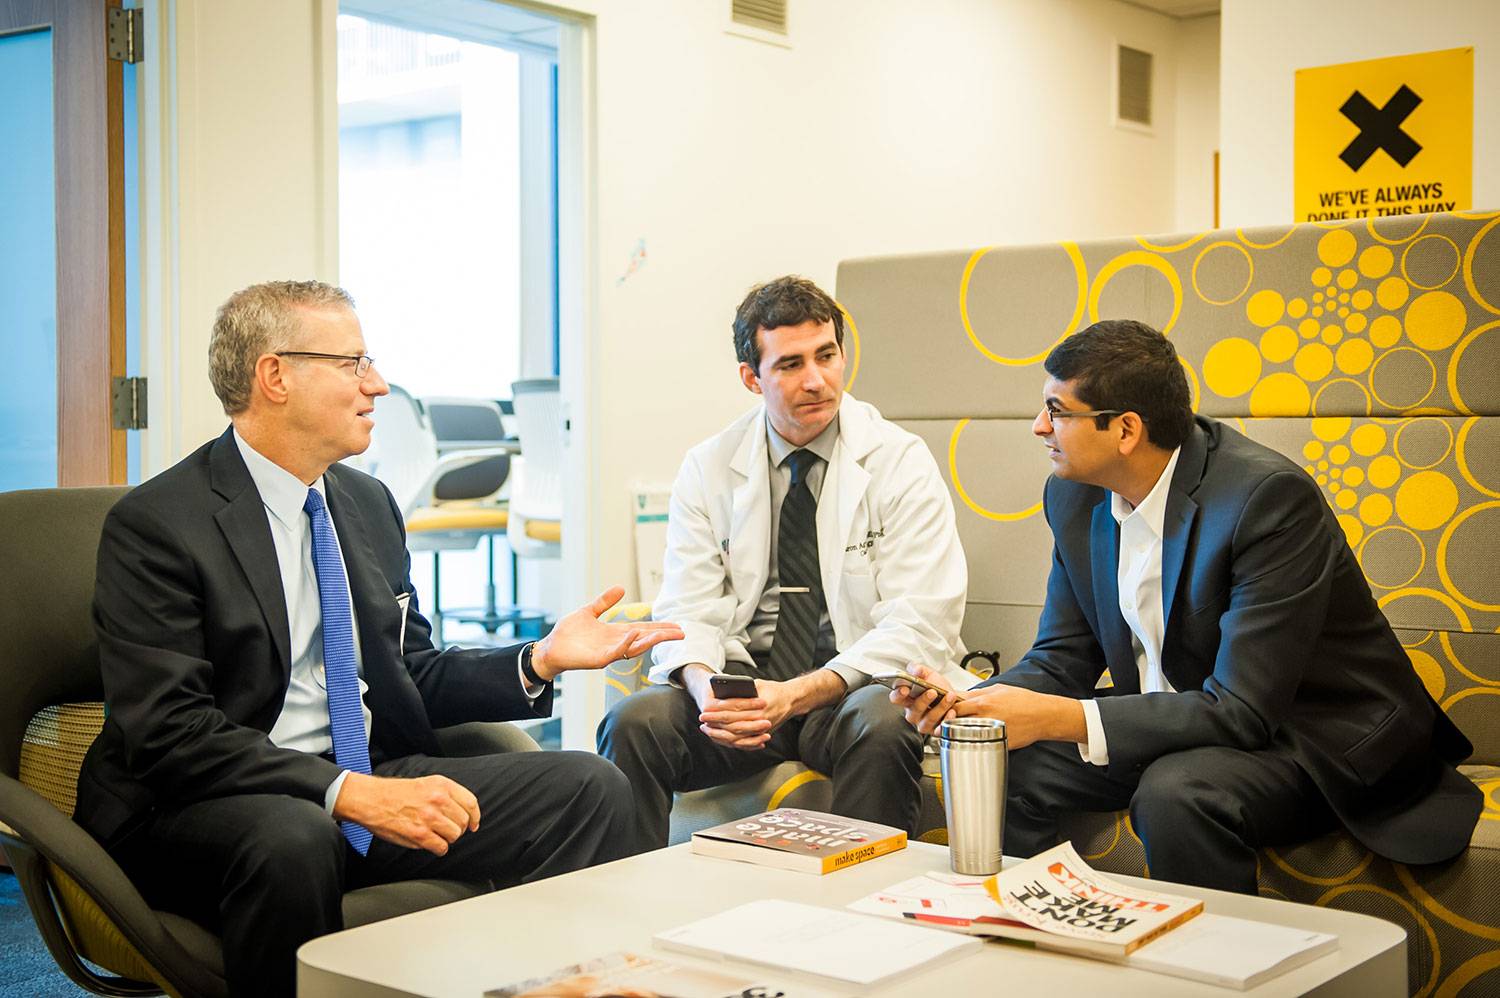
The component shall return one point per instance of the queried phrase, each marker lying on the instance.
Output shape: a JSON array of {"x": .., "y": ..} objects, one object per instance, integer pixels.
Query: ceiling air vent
[
  {"x": 1133, "y": 86},
  {"x": 765, "y": 15}
]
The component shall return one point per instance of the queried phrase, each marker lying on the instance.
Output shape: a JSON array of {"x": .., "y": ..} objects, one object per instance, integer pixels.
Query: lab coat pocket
[{"x": 858, "y": 595}]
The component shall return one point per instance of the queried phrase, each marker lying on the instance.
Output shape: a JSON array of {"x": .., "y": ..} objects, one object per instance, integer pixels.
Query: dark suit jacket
[
  {"x": 195, "y": 648},
  {"x": 1272, "y": 640}
]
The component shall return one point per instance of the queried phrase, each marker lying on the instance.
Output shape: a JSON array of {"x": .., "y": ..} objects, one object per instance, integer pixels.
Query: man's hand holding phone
[
  {"x": 731, "y": 709},
  {"x": 924, "y": 694}
]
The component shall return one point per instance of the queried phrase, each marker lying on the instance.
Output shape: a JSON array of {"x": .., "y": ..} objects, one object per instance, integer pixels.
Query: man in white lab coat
[{"x": 810, "y": 545}]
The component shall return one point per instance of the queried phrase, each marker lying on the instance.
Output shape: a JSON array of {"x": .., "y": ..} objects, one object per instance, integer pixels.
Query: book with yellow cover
[{"x": 792, "y": 839}]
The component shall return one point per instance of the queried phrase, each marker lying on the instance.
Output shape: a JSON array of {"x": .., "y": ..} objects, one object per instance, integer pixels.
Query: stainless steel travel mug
[{"x": 974, "y": 782}]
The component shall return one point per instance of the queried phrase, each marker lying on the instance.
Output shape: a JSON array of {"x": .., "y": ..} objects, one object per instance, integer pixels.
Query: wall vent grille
[
  {"x": 1134, "y": 86},
  {"x": 767, "y": 15}
]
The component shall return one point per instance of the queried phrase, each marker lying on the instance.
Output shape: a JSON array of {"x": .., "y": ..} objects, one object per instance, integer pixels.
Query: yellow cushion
[
  {"x": 457, "y": 518},
  {"x": 544, "y": 530}
]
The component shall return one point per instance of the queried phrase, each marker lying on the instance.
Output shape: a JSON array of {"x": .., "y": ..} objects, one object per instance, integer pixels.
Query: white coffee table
[{"x": 465, "y": 948}]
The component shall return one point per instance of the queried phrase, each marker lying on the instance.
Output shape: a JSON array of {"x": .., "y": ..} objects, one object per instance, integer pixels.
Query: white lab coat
[{"x": 893, "y": 570}]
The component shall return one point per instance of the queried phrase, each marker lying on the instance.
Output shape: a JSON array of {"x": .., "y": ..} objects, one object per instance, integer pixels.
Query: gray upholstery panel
[
  {"x": 1367, "y": 319},
  {"x": 995, "y": 469}
]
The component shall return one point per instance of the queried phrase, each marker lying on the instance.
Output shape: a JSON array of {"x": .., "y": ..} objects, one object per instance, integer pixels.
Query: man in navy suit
[
  {"x": 1258, "y": 694},
  {"x": 272, "y": 689}
]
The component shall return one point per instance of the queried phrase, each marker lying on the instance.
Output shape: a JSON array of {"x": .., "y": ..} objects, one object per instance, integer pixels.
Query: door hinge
[
  {"x": 128, "y": 403},
  {"x": 125, "y": 34}
]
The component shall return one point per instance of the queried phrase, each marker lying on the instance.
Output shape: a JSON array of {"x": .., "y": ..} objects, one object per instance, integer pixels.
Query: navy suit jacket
[
  {"x": 1272, "y": 640},
  {"x": 195, "y": 653}
]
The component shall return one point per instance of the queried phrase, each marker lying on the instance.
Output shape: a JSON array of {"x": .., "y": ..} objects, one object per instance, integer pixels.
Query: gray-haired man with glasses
[{"x": 273, "y": 690}]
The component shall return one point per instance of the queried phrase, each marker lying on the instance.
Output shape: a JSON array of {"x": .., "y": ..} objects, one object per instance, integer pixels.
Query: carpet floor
[{"x": 26, "y": 968}]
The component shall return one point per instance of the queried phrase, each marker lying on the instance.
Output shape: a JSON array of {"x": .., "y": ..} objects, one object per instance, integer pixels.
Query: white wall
[
  {"x": 1197, "y": 131},
  {"x": 886, "y": 128},
  {"x": 1266, "y": 41},
  {"x": 239, "y": 177}
]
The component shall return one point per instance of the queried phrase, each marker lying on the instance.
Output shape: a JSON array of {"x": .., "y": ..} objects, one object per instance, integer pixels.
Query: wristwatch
[{"x": 527, "y": 670}]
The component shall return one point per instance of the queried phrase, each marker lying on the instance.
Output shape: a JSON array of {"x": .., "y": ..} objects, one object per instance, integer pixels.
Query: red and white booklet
[
  {"x": 1057, "y": 901},
  {"x": 1054, "y": 899}
]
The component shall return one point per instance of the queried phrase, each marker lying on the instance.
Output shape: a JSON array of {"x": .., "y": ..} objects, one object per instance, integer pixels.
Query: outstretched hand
[{"x": 581, "y": 640}]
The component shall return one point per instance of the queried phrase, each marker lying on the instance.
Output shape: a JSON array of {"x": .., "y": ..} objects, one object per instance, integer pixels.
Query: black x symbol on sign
[{"x": 1380, "y": 128}]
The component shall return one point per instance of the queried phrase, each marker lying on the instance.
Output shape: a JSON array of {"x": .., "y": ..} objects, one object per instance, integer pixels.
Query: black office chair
[{"x": 50, "y": 712}]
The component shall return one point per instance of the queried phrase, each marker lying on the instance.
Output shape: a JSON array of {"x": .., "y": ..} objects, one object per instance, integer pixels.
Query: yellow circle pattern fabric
[
  {"x": 1367, "y": 352},
  {"x": 1232, "y": 367}
]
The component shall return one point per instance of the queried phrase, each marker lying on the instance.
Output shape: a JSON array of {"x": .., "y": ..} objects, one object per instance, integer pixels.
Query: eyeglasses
[
  {"x": 361, "y": 361},
  {"x": 1053, "y": 415}
]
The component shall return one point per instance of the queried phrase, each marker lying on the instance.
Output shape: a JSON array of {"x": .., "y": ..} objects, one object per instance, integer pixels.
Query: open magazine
[{"x": 1054, "y": 900}]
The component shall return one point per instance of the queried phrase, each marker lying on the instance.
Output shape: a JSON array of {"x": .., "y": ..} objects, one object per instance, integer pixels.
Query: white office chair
[
  {"x": 535, "y": 529},
  {"x": 448, "y": 497},
  {"x": 463, "y": 495},
  {"x": 404, "y": 454}
]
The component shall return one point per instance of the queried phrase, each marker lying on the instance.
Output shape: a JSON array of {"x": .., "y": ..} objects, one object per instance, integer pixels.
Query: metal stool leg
[{"x": 491, "y": 625}]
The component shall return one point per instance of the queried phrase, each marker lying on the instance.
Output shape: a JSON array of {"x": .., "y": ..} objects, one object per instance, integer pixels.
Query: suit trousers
[
  {"x": 862, "y": 743},
  {"x": 267, "y": 872},
  {"x": 1201, "y": 813}
]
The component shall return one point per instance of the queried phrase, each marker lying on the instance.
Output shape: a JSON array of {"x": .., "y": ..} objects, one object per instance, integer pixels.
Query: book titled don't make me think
[{"x": 793, "y": 839}]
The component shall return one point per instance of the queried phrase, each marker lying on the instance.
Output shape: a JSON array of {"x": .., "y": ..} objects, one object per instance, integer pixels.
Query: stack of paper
[{"x": 820, "y": 941}]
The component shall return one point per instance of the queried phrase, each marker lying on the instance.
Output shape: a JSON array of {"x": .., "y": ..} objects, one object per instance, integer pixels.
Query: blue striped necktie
[
  {"x": 351, "y": 751},
  {"x": 802, "y": 601}
]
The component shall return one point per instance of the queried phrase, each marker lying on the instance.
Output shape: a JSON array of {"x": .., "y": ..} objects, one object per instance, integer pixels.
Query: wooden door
[{"x": 88, "y": 167}]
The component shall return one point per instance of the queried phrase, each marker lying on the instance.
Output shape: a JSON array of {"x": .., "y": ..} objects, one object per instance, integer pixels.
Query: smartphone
[
  {"x": 726, "y": 687},
  {"x": 896, "y": 678}
]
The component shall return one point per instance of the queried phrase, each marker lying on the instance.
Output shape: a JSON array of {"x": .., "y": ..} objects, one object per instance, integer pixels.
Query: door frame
[{"x": 89, "y": 171}]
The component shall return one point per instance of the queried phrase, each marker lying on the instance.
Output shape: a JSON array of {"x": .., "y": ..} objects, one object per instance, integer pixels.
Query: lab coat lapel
[
  {"x": 750, "y": 510},
  {"x": 843, "y": 490}
]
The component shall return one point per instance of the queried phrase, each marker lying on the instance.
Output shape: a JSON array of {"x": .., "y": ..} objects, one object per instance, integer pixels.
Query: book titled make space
[{"x": 805, "y": 841}]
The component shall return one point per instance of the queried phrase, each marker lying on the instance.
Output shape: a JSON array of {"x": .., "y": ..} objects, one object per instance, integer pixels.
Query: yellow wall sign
[{"x": 1385, "y": 136}]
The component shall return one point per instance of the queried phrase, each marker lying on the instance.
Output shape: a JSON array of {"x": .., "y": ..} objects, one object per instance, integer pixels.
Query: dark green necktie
[{"x": 802, "y": 599}]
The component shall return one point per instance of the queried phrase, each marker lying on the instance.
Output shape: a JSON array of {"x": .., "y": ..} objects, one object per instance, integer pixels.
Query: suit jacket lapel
[
  {"x": 374, "y": 603},
  {"x": 1177, "y": 524},
  {"x": 243, "y": 523},
  {"x": 1114, "y": 634}
]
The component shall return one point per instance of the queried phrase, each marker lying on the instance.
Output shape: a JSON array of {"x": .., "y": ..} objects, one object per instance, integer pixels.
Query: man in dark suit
[
  {"x": 1258, "y": 694},
  {"x": 272, "y": 689}
]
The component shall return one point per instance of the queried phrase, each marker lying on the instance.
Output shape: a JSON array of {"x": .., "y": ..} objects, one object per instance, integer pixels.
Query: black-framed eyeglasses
[
  {"x": 1055, "y": 414},
  {"x": 362, "y": 361}
]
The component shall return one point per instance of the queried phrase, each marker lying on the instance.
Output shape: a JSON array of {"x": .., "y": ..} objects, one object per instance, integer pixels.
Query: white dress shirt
[
  {"x": 304, "y": 724},
  {"x": 1138, "y": 576}
]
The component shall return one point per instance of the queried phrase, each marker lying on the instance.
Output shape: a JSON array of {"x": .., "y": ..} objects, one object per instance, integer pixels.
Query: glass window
[{"x": 28, "y": 262}]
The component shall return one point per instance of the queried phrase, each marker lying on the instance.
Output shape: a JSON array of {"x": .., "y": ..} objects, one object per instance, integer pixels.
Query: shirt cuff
[
  {"x": 332, "y": 793},
  {"x": 674, "y": 678},
  {"x": 853, "y": 678},
  {"x": 1095, "y": 750}
]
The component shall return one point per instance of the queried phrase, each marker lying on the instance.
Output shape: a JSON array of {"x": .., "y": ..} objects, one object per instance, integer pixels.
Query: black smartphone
[{"x": 732, "y": 687}]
